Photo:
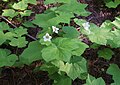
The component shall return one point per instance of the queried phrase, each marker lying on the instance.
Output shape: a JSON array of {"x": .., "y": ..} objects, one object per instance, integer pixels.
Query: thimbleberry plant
[{"x": 58, "y": 45}]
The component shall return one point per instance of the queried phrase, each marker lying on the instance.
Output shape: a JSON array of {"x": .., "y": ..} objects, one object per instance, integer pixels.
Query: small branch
[
  {"x": 8, "y": 21},
  {"x": 31, "y": 37},
  {"x": 16, "y": 27}
]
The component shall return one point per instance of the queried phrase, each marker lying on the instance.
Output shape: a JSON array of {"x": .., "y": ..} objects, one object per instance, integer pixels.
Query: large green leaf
[
  {"x": 63, "y": 80},
  {"x": 11, "y": 59},
  {"x": 28, "y": 24},
  {"x": 55, "y": 1},
  {"x": 21, "y": 5},
  {"x": 30, "y": 1},
  {"x": 115, "y": 43},
  {"x": 32, "y": 53},
  {"x": 2, "y": 38},
  {"x": 73, "y": 70},
  {"x": 115, "y": 72},
  {"x": 67, "y": 43},
  {"x": 79, "y": 21},
  {"x": 10, "y": 35},
  {"x": 70, "y": 32},
  {"x": 7, "y": 59},
  {"x": 9, "y": 12},
  {"x": 62, "y": 14},
  {"x": 50, "y": 53},
  {"x": 62, "y": 50},
  {"x": 74, "y": 7},
  {"x": 93, "y": 81},
  {"x": 52, "y": 19},
  {"x": 4, "y": 26},
  {"x": 25, "y": 13},
  {"x": 50, "y": 68},
  {"x": 19, "y": 42},
  {"x": 100, "y": 36},
  {"x": 105, "y": 53},
  {"x": 112, "y": 4},
  {"x": 20, "y": 31},
  {"x": 79, "y": 51},
  {"x": 62, "y": 17},
  {"x": 116, "y": 22},
  {"x": 42, "y": 20}
]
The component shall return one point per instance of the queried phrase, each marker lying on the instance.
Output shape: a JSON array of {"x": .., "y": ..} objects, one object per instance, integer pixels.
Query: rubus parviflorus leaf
[
  {"x": 70, "y": 32},
  {"x": 105, "y": 53},
  {"x": 79, "y": 21},
  {"x": 6, "y": 58},
  {"x": 93, "y": 81},
  {"x": 25, "y": 13},
  {"x": 2, "y": 37},
  {"x": 94, "y": 46},
  {"x": 52, "y": 19},
  {"x": 70, "y": 6},
  {"x": 74, "y": 7},
  {"x": 32, "y": 53},
  {"x": 116, "y": 22},
  {"x": 13, "y": 35},
  {"x": 16, "y": 37},
  {"x": 28, "y": 24},
  {"x": 62, "y": 17},
  {"x": 10, "y": 35},
  {"x": 20, "y": 31},
  {"x": 74, "y": 69},
  {"x": 30, "y": 1},
  {"x": 112, "y": 4},
  {"x": 43, "y": 20},
  {"x": 81, "y": 48},
  {"x": 19, "y": 42},
  {"x": 114, "y": 70},
  {"x": 4, "y": 26},
  {"x": 58, "y": 1},
  {"x": 9, "y": 13},
  {"x": 50, "y": 68},
  {"x": 115, "y": 43},
  {"x": 61, "y": 80},
  {"x": 22, "y": 5},
  {"x": 61, "y": 14},
  {"x": 63, "y": 49},
  {"x": 100, "y": 36}
]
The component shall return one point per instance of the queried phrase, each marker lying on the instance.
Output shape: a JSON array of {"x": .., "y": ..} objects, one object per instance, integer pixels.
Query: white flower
[
  {"x": 47, "y": 37},
  {"x": 86, "y": 26},
  {"x": 55, "y": 29}
]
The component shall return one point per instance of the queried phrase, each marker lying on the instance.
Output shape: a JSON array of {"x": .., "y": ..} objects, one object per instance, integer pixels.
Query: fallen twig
[{"x": 16, "y": 27}]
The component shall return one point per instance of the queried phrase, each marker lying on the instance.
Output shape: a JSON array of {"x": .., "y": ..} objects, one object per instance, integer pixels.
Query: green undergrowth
[{"x": 58, "y": 45}]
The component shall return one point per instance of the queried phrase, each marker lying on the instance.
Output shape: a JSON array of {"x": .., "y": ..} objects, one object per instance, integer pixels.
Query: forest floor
[{"x": 97, "y": 66}]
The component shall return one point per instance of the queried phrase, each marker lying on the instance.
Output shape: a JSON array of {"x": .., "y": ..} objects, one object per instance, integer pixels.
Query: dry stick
[{"x": 16, "y": 27}]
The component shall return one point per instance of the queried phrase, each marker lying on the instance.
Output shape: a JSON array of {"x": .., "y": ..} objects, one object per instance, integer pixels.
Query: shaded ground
[{"x": 97, "y": 66}]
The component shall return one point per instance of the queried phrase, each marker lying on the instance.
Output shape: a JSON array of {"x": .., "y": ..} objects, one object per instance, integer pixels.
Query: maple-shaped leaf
[
  {"x": 6, "y": 58},
  {"x": 114, "y": 70},
  {"x": 32, "y": 53}
]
